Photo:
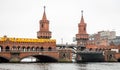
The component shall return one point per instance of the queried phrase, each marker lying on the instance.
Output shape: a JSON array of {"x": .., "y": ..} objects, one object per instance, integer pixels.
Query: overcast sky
[{"x": 20, "y": 18}]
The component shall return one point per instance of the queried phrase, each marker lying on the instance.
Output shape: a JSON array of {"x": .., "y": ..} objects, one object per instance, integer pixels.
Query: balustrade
[{"x": 27, "y": 50}]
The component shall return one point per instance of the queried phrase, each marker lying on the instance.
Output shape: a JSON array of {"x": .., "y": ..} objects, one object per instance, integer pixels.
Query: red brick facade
[
  {"x": 82, "y": 35},
  {"x": 43, "y": 48},
  {"x": 44, "y": 28}
]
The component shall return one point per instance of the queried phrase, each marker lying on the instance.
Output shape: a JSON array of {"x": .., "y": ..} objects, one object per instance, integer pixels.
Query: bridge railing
[{"x": 25, "y": 50}]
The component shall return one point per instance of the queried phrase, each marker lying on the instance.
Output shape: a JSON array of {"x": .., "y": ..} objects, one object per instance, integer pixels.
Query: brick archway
[
  {"x": 49, "y": 48},
  {"x": 42, "y": 58},
  {"x": 4, "y": 59},
  {"x": 118, "y": 59},
  {"x": 7, "y": 48}
]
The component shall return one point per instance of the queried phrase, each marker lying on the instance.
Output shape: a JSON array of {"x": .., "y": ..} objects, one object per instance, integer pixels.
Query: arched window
[
  {"x": 42, "y": 25},
  {"x": 28, "y": 48},
  {"x": 33, "y": 48},
  {"x": 14, "y": 48},
  {"x": 19, "y": 48},
  {"x": 7, "y": 48},
  {"x": 23, "y": 48},
  {"x": 37, "y": 48},
  {"x": 41, "y": 48},
  {"x": 100, "y": 49},
  {"x": 90, "y": 49},
  {"x": 49, "y": 49},
  {"x": 84, "y": 29}
]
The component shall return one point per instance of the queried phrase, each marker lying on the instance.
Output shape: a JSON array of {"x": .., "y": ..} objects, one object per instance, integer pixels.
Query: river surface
[{"x": 59, "y": 66}]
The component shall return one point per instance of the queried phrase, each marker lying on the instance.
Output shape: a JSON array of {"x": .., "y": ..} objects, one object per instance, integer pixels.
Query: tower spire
[
  {"x": 82, "y": 12},
  {"x": 44, "y": 32},
  {"x": 82, "y": 19},
  {"x": 82, "y": 36},
  {"x": 44, "y": 15}
]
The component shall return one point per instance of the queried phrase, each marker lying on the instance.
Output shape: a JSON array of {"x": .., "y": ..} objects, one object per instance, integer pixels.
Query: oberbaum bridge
[
  {"x": 42, "y": 48},
  {"x": 45, "y": 49}
]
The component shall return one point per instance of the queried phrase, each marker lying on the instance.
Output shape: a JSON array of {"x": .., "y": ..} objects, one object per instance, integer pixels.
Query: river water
[{"x": 59, "y": 66}]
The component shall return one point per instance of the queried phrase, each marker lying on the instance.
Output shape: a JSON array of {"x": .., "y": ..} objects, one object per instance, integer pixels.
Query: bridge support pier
[
  {"x": 15, "y": 60},
  {"x": 110, "y": 56},
  {"x": 14, "y": 57},
  {"x": 65, "y": 55}
]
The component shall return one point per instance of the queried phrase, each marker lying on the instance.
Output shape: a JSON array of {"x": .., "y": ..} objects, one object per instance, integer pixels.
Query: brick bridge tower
[
  {"x": 82, "y": 35},
  {"x": 44, "y": 32}
]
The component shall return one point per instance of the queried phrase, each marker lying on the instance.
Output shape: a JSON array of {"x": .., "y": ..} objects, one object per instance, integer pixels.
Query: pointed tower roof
[
  {"x": 44, "y": 15},
  {"x": 82, "y": 19}
]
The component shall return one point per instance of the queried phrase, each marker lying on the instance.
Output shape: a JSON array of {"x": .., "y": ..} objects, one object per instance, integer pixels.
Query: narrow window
[{"x": 42, "y": 25}]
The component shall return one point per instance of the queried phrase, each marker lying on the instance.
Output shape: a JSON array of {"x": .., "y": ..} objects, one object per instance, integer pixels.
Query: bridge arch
[
  {"x": 3, "y": 59},
  {"x": 118, "y": 60},
  {"x": 42, "y": 58}
]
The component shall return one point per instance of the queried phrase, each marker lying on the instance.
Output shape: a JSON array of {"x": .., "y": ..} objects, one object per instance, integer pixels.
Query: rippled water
[{"x": 59, "y": 66}]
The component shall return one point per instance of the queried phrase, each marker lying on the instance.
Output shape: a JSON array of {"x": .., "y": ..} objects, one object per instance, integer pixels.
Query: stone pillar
[
  {"x": 15, "y": 57},
  {"x": 110, "y": 56},
  {"x": 65, "y": 55}
]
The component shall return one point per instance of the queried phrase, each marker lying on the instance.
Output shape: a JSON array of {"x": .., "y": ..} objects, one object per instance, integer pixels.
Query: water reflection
[
  {"x": 44, "y": 66},
  {"x": 59, "y": 66},
  {"x": 81, "y": 66}
]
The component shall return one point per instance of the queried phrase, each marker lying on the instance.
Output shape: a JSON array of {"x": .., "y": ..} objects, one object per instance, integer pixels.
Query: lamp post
[{"x": 62, "y": 42}]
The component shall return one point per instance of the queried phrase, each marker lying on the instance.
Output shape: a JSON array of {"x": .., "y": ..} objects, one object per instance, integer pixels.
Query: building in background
[
  {"x": 116, "y": 41},
  {"x": 102, "y": 38}
]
